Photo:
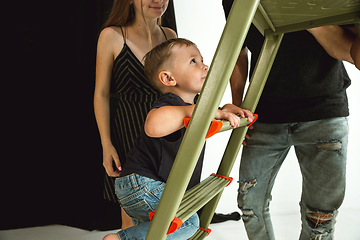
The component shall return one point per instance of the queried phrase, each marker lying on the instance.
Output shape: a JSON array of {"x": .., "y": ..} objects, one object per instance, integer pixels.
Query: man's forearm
[
  {"x": 238, "y": 78},
  {"x": 336, "y": 41}
]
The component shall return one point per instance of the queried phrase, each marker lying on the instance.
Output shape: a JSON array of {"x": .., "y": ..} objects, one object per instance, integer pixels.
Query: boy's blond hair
[{"x": 155, "y": 60}]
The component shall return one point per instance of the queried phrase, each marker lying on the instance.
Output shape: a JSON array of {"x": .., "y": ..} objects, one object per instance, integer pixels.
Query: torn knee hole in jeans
[
  {"x": 318, "y": 236},
  {"x": 247, "y": 213},
  {"x": 318, "y": 218},
  {"x": 244, "y": 186},
  {"x": 331, "y": 145}
]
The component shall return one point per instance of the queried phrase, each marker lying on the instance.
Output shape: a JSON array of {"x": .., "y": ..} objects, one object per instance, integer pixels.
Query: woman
[{"x": 132, "y": 29}]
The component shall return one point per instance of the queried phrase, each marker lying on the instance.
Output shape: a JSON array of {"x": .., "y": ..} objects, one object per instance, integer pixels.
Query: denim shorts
[{"x": 138, "y": 196}]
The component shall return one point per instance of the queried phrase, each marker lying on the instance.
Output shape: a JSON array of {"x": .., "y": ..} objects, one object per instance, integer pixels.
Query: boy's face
[{"x": 188, "y": 68}]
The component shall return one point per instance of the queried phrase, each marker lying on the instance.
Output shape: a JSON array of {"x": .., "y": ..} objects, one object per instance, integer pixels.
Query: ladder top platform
[{"x": 273, "y": 17}]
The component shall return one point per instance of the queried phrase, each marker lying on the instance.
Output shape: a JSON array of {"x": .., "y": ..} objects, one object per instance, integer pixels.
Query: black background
[{"x": 51, "y": 153}]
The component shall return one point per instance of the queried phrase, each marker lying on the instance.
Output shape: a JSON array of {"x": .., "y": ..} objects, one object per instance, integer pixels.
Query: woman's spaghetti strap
[
  {"x": 124, "y": 34},
  {"x": 163, "y": 32}
]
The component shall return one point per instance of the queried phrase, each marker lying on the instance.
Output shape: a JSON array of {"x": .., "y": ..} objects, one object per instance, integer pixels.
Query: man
[{"x": 304, "y": 104}]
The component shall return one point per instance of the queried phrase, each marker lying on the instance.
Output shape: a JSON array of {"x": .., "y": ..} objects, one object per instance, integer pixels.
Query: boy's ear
[{"x": 166, "y": 79}]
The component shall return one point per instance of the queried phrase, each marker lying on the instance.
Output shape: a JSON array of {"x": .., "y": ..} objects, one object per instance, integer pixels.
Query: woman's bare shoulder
[
  {"x": 111, "y": 34},
  {"x": 169, "y": 33},
  {"x": 111, "y": 38}
]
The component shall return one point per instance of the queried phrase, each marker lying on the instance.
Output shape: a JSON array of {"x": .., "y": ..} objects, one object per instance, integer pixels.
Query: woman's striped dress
[{"x": 134, "y": 98}]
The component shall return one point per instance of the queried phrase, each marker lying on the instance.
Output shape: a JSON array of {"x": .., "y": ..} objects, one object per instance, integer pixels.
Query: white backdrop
[{"x": 202, "y": 22}]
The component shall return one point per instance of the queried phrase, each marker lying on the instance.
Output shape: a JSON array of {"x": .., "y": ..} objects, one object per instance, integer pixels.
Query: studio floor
[
  {"x": 284, "y": 210},
  {"x": 286, "y": 227}
]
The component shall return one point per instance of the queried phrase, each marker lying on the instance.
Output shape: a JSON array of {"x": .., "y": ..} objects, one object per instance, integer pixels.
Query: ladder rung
[
  {"x": 196, "y": 189},
  {"x": 244, "y": 122},
  {"x": 195, "y": 198},
  {"x": 221, "y": 126},
  {"x": 200, "y": 234},
  {"x": 215, "y": 126}
]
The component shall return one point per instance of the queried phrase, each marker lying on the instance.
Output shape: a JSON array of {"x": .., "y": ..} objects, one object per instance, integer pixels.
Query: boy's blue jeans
[
  {"x": 139, "y": 196},
  {"x": 321, "y": 148}
]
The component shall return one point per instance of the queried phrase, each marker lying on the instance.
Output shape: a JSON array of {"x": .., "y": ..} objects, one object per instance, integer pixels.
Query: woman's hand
[{"x": 110, "y": 156}]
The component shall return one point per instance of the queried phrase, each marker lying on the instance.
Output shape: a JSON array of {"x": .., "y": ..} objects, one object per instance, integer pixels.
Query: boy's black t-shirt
[
  {"x": 305, "y": 83},
  {"x": 154, "y": 157}
]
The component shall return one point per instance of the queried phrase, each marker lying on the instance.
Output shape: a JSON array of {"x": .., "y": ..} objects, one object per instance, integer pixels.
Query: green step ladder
[{"x": 273, "y": 19}]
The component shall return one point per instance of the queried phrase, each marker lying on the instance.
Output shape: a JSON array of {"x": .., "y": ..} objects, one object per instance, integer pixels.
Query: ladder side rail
[
  {"x": 257, "y": 83},
  {"x": 261, "y": 71},
  {"x": 214, "y": 87}
]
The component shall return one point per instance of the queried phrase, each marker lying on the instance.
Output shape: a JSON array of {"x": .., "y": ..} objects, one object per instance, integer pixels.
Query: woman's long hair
[{"x": 121, "y": 14}]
